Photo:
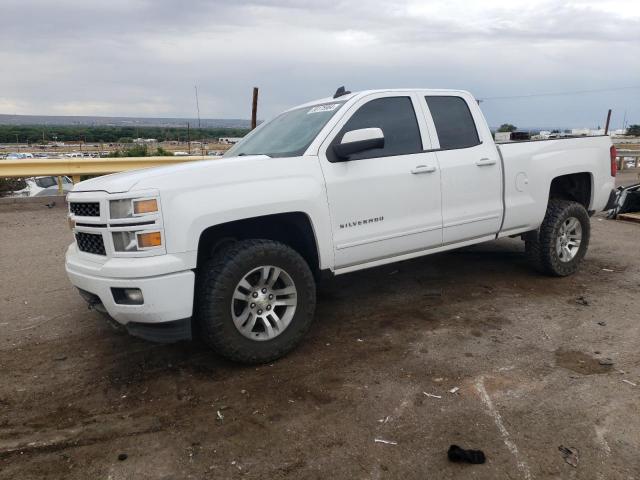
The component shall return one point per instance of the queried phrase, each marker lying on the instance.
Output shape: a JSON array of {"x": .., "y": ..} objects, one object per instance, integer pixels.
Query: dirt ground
[{"x": 529, "y": 356}]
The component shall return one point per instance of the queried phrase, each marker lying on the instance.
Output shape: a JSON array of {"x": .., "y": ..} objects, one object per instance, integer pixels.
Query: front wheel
[
  {"x": 561, "y": 243},
  {"x": 255, "y": 300}
]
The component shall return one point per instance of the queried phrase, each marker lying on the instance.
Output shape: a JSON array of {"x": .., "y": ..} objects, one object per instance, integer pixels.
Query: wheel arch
[
  {"x": 577, "y": 187},
  {"x": 294, "y": 229}
]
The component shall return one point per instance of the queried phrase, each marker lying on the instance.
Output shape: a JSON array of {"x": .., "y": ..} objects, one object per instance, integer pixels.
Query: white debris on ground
[
  {"x": 382, "y": 440},
  {"x": 432, "y": 395}
]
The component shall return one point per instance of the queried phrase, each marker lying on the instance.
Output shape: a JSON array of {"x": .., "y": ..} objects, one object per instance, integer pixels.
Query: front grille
[
  {"x": 90, "y": 243},
  {"x": 85, "y": 209}
]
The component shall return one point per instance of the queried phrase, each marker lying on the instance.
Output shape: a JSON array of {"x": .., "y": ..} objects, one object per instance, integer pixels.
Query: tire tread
[
  {"x": 215, "y": 277},
  {"x": 540, "y": 245}
]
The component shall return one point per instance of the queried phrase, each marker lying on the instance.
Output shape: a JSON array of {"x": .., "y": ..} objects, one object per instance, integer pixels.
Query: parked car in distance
[
  {"x": 44, "y": 186},
  {"x": 231, "y": 250},
  {"x": 19, "y": 156}
]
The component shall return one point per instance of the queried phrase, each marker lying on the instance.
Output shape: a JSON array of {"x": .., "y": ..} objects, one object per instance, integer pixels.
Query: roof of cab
[{"x": 349, "y": 96}]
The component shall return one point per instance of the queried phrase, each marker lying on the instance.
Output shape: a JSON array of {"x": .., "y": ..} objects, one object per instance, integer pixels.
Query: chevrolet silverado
[{"x": 230, "y": 250}]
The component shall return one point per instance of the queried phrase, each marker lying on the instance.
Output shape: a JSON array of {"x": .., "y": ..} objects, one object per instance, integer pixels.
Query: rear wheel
[
  {"x": 561, "y": 243},
  {"x": 255, "y": 300}
]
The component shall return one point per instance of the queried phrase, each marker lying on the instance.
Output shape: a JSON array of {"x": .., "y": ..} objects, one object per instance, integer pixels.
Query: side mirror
[{"x": 356, "y": 141}]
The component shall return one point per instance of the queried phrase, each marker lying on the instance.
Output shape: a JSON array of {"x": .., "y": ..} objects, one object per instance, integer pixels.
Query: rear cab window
[{"x": 453, "y": 120}]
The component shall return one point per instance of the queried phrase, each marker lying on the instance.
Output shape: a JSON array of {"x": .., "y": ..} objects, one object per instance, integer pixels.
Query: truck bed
[
  {"x": 568, "y": 137},
  {"x": 529, "y": 166}
]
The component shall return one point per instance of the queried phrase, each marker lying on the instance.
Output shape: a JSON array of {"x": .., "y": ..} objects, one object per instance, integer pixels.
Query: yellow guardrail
[{"x": 75, "y": 167}]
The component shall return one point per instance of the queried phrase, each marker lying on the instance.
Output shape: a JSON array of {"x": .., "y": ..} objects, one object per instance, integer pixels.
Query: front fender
[{"x": 190, "y": 211}]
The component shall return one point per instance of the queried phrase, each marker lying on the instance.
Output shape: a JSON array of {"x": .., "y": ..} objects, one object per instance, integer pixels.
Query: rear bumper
[{"x": 166, "y": 297}]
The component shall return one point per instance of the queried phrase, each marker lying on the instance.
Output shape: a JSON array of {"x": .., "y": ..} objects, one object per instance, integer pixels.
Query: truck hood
[{"x": 158, "y": 176}]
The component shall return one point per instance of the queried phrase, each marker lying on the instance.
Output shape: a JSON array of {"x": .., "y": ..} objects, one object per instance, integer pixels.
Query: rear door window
[{"x": 453, "y": 121}]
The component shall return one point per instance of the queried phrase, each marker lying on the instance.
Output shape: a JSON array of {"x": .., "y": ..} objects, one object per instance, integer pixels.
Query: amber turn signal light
[
  {"x": 145, "y": 206},
  {"x": 148, "y": 240}
]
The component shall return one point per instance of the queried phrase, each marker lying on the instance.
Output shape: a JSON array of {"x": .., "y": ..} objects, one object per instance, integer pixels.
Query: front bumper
[{"x": 168, "y": 297}]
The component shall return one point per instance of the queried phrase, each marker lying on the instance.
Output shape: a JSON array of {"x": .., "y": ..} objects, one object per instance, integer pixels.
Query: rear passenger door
[
  {"x": 383, "y": 202},
  {"x": 470, "y": 166}
]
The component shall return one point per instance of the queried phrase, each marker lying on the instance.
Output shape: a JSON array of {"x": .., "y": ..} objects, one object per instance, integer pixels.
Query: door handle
[
  {"x": 485, "y": 161},
  {"x": 423, "y": 169}
]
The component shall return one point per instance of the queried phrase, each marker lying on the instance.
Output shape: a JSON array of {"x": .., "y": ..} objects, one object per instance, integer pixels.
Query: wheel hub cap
[
  {"x": 263, "y": 303},
  {"x": 569, "y": 239}
]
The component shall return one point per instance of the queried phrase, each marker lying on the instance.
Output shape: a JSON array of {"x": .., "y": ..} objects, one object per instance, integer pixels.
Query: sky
[{"x": 143, "y": 57}]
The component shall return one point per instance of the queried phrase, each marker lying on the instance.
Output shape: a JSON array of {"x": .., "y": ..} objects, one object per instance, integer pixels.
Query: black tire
[
  {"x": 540, "y": 245},
  {"x": 217, "y": 280}
]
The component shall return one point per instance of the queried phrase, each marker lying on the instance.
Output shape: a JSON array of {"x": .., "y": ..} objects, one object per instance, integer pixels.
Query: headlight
[
  {"x": 135, "y": 241},
  {"x": 128, "y": 208},
  {"x": 125, "y": 241}
]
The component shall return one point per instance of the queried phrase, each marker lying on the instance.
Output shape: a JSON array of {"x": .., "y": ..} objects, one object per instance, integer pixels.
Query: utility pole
[
  {"x": 606, "y": 125},
  {"x": 16, "y": 138},
  {"x": 197, "y": 104},
  {"x": 189, "y": 137},
  {"x": 254, "y": 108}
]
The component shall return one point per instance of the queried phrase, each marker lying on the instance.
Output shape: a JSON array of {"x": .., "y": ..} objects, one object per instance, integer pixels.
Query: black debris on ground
[
  {"x": 460, "y": 455},
  {"x": 569, "y": 454}
]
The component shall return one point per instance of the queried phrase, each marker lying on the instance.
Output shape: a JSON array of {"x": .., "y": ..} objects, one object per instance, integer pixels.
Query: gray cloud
[{"x": 143, "y": 57}]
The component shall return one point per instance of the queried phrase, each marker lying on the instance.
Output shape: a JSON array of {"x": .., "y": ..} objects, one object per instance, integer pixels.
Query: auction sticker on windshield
[{"x": 324, "y": 108}]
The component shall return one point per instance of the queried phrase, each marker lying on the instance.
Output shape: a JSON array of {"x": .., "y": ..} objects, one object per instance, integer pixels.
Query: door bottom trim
[
  {"x": 472, "y": 220},
  {"x": 352, "y": 267}
]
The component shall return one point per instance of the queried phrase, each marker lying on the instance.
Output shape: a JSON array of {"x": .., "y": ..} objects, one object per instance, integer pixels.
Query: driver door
[{"x": 383, "y": 202}]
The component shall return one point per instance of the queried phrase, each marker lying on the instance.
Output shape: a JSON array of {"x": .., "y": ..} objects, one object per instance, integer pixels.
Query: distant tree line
[
  {"x": 507, "y": 127},
  {"x": 100, "y": 134},
  {"x": 140, "y": 151}
]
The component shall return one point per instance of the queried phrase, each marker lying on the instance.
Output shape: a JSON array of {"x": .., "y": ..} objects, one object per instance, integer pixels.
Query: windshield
[{"x": 287, "y": 135}]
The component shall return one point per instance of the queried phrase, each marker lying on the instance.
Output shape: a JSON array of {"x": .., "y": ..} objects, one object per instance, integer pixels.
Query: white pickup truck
[{"x": 230, "y": 249}]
